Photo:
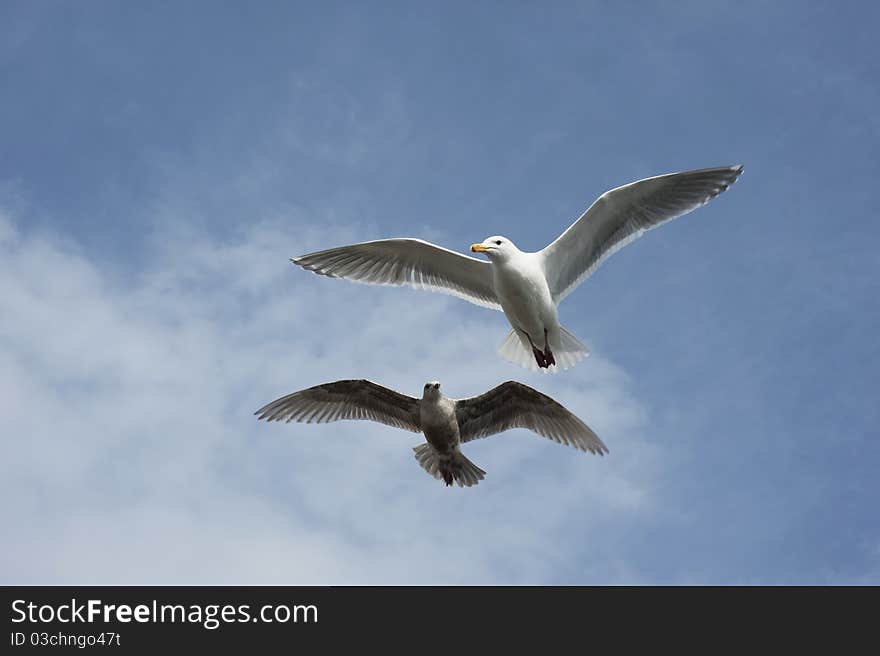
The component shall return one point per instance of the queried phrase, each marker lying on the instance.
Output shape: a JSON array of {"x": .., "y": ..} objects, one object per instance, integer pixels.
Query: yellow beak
[{"x": 478, "y": 248}]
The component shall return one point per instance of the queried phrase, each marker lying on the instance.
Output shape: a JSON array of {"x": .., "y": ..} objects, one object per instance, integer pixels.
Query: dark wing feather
[
  {"x": 514, "y": 405},
  {"x": 621, "y": 215},
  {"x": 345, "y": 399}
]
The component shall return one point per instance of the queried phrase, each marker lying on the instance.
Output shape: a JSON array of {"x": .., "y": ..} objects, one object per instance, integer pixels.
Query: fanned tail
[
  {"x": 567, "y": 352},
  {"x": 570, "y": 350},
  {"x": 454, "y": 467},
  {"x": 516, "y": 349}
]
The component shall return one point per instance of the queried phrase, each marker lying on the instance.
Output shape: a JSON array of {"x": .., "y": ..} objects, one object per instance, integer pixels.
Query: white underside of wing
[
  {"x": 622, "y": 215},
  {"x": 608, "y": 252},
  {"x": 411, "y": 262}
]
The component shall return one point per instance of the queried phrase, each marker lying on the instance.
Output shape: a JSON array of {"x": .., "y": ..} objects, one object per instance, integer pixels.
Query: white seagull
[
  {"x": 528, "y": 287},
  {"x": 444, "y": 422}
]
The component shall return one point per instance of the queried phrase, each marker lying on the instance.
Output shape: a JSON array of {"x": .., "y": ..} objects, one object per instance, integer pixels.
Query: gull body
[
  {"x": 440, "y": 427},
  {"x": 438, "y": 421},
  {"x": 445, "y": 423},
  {"x": 520, "y": 284},
  {"x": 528, "y": 287}
]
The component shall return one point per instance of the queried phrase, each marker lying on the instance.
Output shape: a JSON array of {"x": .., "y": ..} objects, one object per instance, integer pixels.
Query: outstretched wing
[
  {"x": 345, "y": 399},
  {"x": 514, "y": 405},
  {"x": 624, "y": 214},
  {"x": 410, "y": 262}
]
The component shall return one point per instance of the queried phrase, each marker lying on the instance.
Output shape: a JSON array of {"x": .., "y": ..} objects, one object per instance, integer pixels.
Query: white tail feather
[
  {"x": 568, "y": 352},
  {"x": 571, "y": 350},
  {"x": 455, "y": 466},
  {"x": 516, "y": 349}
]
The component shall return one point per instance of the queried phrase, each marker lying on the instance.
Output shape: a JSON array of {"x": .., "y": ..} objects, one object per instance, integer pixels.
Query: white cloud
[{"x": 131, "y": 454}]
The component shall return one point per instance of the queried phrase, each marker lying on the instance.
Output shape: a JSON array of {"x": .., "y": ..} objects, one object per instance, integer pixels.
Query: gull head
[
  {"x": 432, "y": 390},
  {"x": 497, "y": 248}
]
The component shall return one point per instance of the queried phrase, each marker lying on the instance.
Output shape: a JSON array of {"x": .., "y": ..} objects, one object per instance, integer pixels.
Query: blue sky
[{"x": 161, "y": 162}]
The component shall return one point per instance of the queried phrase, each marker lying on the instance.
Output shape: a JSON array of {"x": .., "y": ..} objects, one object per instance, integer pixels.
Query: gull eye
[{"x": 498, "y": 243}]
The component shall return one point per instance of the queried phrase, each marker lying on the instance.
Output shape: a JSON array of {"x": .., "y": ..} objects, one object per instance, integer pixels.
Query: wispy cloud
[
  {"x": 154, "y": 188},
  {"x": 138, "y": 458}
]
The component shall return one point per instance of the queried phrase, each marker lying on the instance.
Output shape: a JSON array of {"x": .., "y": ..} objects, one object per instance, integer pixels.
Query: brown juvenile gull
[
  {"x": 444, "y": 422},
  {"x": 528, "y": 287}
]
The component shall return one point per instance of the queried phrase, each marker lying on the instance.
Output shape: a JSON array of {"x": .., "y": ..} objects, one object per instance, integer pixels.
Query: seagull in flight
[
  {"x": 528, "y": 287},
  {"x": 446, "y": 423}
]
